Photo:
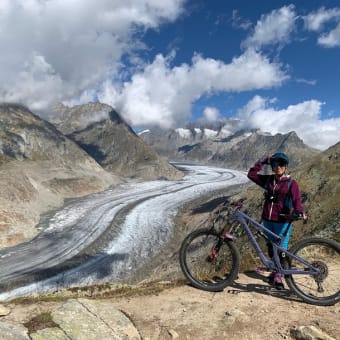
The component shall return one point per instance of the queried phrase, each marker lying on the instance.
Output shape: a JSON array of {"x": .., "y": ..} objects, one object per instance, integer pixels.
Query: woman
[{"x": 282, "y": 196}]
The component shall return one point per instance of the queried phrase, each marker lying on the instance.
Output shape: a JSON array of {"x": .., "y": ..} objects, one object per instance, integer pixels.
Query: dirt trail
[{"x": 250, "y": 309}]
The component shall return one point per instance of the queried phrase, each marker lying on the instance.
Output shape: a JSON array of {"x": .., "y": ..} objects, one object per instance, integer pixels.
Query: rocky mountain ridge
[
  {"x": 104, "y": 135},
  {"x": 225, "y": 146}
]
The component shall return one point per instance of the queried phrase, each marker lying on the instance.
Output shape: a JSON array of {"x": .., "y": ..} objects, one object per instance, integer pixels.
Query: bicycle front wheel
[
  {"x": 322, "y": 289},
  {"x": 208, "y": 261}
]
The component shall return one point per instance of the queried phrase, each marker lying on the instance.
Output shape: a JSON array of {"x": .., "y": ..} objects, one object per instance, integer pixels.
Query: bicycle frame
[{"x": 270, "y": 264}]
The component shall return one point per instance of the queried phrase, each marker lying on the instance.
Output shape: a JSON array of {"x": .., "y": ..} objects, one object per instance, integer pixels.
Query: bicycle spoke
[
  {"x": 200, "y": 264},
  {"x": 207, "y": 261},
  {"x": 324, "y": 287}
]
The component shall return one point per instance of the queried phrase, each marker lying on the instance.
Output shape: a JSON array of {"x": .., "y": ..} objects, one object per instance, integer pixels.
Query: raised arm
[{"x": 253, "y": 173}]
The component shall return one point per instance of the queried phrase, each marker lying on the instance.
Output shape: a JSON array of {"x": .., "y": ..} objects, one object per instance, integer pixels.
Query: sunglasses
[{"x": 277, "y": 164}]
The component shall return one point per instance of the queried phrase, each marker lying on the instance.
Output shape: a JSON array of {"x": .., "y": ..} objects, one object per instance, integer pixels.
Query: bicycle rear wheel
[
  {"x": 322, "y": 289},
  {"x": 208, "y": 261}
]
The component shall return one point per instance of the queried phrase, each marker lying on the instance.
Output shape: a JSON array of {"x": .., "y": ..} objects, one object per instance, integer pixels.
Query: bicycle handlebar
[
  {"x": 289, "y": 217},
  {"x": 293, "y": 217}
]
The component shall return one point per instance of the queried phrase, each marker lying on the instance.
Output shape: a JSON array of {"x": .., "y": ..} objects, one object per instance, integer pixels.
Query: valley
[{"x": 107, "y": 236}]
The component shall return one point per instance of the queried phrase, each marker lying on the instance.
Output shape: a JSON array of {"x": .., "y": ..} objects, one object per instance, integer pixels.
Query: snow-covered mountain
[{"x": 224, "y": 144}]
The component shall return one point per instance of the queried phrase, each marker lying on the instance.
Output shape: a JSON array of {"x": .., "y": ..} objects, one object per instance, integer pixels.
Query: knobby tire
[
  {"x": 203, "y": 272},
  {"x": 324, "y": 288}
]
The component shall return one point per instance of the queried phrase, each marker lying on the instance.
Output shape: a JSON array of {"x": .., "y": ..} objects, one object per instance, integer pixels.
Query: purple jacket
[{"x": 273, "y": 209}]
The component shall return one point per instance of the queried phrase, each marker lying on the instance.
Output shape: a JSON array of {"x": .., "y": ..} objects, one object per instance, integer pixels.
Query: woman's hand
[{"x": 266, "y": 160}]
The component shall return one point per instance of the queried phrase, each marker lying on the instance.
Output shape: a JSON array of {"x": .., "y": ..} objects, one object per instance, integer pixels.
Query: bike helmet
[{"x": 279, "y": 158}]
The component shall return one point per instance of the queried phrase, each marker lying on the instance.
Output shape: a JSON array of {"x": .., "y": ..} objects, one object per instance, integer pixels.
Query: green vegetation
[
  {"x": 40, "y": 321},
  {"x": 102, "y": 292}
]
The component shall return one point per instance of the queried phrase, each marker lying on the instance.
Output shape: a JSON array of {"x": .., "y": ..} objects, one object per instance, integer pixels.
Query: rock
[
  {"x": 87, "y": 319},
  {"x": 11, "y": 331},
  {"x": 80, "y": 319},
  {"x": 114, "y": 318},
  {"x": 309, "y": 333},
  {"x": 4, "y": 310},
  {"x": 231, "y": 316},
  {"x": 173, "y": 334},
  {"x": 50, "y": 334}
]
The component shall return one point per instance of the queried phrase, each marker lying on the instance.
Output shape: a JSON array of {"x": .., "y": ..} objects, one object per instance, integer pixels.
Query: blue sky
[
  {"x": 275, "y": 65},
  {"x": 217, "y": 29}
]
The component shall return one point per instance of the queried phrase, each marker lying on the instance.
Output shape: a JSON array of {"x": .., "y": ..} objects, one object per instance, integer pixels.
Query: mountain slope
[
  {"x": 39, "y": 167},
  {"x": 319, "y": 179},
  {"x": 104, "y": 135}
]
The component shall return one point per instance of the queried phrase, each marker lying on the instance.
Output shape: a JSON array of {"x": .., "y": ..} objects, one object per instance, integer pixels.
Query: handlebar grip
[
  {"x": 291, "y": 217},
  {"x": 294, "y": 217}
]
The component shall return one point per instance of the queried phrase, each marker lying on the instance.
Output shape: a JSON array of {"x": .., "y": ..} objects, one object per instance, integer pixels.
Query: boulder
[{"x": 88, "y": 319}]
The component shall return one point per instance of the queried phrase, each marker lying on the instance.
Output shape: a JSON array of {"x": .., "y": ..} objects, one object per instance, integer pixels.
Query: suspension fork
[{"x": 215, "y": 250}]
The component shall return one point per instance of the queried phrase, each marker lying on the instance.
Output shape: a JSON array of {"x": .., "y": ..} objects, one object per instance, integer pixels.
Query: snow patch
[
  {"x": 184, "y": 133},
  {"x": 143, "y": 132},
  {"x": 210, "y": 133}
]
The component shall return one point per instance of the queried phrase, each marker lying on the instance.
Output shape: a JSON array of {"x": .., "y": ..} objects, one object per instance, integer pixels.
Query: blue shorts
[{"x": 279, "y": 228}]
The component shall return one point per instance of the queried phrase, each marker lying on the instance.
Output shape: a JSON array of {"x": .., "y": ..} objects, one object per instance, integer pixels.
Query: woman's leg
[
  {"x": 281, "y": 230},
  {"x": 284, "y": 229}
]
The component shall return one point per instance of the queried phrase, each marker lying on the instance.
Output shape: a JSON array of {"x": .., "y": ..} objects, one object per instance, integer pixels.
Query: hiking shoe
[
  {"x": 275, "y": 279},
  {"x": 258, "y": 270},
  {"x": 278, "y": 284},
  {"x": 270, "y": 278}
]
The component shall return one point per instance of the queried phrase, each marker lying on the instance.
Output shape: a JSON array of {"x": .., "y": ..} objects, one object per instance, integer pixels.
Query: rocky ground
[{"x": 249, "y": 309}]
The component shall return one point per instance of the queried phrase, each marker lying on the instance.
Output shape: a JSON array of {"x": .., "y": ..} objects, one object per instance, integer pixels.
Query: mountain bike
[{"x": 210, "y": 259}]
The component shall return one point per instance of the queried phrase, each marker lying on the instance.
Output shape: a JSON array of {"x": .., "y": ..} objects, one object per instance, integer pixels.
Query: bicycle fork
[
  {"x": 217, "y": 247},
  {"x": 215, "y": 250}
]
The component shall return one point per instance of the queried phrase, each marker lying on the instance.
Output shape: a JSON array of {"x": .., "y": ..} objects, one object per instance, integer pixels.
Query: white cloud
[
  {"x": 306, "y": 81},
  {"x": 211, "y": 114},
  {"x": 316, "y": 21},
  {"x": 53, "y": 49},
  {"x": 162, "y": 95},
  {"x": 330, "y": 39},
  {"x": 303, "y": 118},
  {"x": 239, "y": 22},
  {"x": 273, "y": 28},
  {"x": 72, "y": 51}
]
